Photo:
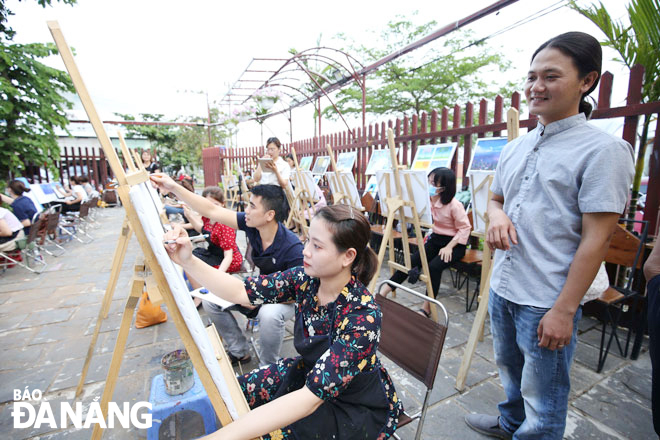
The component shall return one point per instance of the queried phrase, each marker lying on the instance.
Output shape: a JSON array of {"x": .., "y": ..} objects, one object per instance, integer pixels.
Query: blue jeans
[{"x": 536, "y": 380}]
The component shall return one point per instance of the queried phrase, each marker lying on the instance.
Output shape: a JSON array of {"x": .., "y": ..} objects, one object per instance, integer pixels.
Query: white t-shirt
[
  {"x": 78, "y": 189},
  {"x": 270, "y": 178},
  {"x": 10, "y": 218}
]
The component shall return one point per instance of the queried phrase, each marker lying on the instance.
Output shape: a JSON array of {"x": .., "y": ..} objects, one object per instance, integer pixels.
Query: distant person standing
[
  {"x": 149, "y": 163},
  {"x": 276, "y": 173}
]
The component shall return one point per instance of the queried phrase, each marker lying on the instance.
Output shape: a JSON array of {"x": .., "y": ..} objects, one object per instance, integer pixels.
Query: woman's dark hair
[
  {"x": 288, "y": 156},
  {"x": 215, "y": 192},
  {"x": 187, "y": 184},
  {"x": 18, "y": 187},
  {"x": 587, "y": 56},
  {"x": 274, "y": 140},
  {"x": 273, "y": 198},
  {"x": 83, "y": 179},
  {"x": 351, "y": 229},
  {"x": 73, "y": 179},
  {"x": 445, "y": 178}
]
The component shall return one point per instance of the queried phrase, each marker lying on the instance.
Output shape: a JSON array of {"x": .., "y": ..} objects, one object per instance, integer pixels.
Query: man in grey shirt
[{"x": 557, "y": 195}]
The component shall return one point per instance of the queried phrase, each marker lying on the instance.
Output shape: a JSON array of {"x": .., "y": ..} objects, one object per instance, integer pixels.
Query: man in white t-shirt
[
  {"x": 276, "y": 173},
  {"x": 11, "y": 230}
]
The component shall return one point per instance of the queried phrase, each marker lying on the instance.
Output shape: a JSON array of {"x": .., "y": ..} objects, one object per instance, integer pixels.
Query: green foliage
[
  {"x": 8, "y": 33},
  {"x": 31, "y": 101},
  {"x": 414, "y": 83},
  {"x": 31, "y": 106},
  {"x": 636, "y": 43},
  {"x": 176, "y": 146}
]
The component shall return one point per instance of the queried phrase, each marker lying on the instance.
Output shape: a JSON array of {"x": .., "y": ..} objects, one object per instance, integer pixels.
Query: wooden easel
[
  {"x": 476, "y": 334},
  {"x": 395, "y": 210},
  {"x": 126, "y": 180},
  {"x": 303, "y": 199},
  {"x": 341, "y": 193}
]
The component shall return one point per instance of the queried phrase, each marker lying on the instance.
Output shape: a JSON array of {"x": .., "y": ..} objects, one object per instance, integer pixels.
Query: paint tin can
[{"x": 178, "y": 375}]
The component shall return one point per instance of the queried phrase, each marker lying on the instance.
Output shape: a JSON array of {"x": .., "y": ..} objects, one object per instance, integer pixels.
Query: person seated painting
[
  {"x": 274, "y": 249},
  {"x": 222, "y": 252},
  {"x": 337, "y": 387},
  {"x": 22, "y": 206}
]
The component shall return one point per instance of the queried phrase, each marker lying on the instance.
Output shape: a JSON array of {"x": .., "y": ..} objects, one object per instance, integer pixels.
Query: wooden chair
[
  {"x": 625, "y": 250},
  {"x": 414, "y": 343}
]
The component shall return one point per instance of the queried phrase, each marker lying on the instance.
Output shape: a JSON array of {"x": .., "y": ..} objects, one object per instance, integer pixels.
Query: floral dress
[{"x": 338, "y": 362}]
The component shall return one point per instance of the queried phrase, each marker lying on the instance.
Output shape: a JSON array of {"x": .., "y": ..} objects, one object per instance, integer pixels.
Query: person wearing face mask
[
  {"x": 451, "y": 230},
  {"x": 276, "y": 172}
]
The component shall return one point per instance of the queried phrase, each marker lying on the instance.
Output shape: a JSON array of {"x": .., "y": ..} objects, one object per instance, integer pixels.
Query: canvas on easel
[
  {"x": 429, "y": 157},
  {"x": 476, "y": 333},
  {"x": 344, "y": 184},
  {"x": 404, "y": 210},
  {"x": 142, "y": 216},
  {"x": 306, "y": 163},
  {"x": 419, "y": 193},
  {"x": 321, "y": 165}
]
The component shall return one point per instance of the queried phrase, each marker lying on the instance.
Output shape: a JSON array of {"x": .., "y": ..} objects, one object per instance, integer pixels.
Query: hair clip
[{"x": 351, "y": 208}]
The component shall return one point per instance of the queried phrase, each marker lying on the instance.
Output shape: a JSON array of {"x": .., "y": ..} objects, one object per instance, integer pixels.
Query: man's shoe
[
  {"x": 487, "y": 425},
  {"x": 235, "y": 360}
]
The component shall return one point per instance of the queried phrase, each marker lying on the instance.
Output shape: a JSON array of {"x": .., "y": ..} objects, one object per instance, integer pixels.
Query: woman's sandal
[{"x": 424, "y": 312}]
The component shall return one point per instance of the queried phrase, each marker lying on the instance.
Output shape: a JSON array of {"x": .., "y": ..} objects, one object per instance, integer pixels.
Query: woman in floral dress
[{"x": 336, "y": 388}]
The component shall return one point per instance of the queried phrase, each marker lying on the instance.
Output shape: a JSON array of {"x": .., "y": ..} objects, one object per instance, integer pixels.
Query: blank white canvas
[
  {"x": 309, "y": 183},
  {"x": 148, "y": 215},
  {"x": 349, "y": 183},
  {"x": 419, "y": 182}
]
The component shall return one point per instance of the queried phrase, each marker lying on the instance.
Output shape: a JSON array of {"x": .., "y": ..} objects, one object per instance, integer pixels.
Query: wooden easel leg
[
  {"x": 387, "y": 233},
  {"x": 117, "y": 260},
  {"x": 477, "y": 326},
  {"x": 137, "y": 287}
]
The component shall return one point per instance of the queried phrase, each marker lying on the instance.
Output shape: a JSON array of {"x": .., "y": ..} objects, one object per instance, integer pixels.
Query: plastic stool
[{"x": 164, "y": 405}]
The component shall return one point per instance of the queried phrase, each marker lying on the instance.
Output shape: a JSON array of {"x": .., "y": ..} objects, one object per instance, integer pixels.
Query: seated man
[{"x": 274, "y": 248}]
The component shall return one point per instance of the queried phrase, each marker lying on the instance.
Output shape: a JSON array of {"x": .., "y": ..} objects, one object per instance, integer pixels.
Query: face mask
[{"x": 432, "y": 191}]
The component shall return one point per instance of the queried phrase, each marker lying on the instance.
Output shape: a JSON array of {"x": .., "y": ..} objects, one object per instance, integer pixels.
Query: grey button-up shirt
[{"x": 549, "y": 178}]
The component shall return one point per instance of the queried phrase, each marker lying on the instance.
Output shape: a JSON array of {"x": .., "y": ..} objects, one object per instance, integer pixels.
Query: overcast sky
[{"x": 140, "y": 56}]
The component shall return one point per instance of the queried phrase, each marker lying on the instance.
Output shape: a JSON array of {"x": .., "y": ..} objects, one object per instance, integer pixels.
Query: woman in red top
[
  {"x": 451, "y": 230},
  {"x": 222, "y": 252}
]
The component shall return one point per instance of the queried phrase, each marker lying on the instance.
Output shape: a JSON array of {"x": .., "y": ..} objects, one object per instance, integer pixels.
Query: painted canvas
[
  {"x": 429, "y": 157},
  {"x": 486, "y": 154}
]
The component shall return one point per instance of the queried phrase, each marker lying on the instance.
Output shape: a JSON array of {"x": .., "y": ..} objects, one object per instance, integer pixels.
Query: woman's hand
[
  {"x": 446, "y": 254},
  {"x": 163, "y": 182},
  {"x": 181, "y": 251},
  {"x": 271, "y": 166}
]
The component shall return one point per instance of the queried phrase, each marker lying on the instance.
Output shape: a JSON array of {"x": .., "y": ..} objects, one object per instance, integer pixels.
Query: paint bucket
[{"x": 178, "y": 375}]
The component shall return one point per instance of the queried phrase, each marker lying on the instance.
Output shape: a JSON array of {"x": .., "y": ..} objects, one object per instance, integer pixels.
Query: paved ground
[{"x": 46, "y": 322}]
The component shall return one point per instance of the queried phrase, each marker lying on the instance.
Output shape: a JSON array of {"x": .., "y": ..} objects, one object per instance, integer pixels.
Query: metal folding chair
[
  {"x": 625, "y": 250},
  {"x": 413, "y": 342}
]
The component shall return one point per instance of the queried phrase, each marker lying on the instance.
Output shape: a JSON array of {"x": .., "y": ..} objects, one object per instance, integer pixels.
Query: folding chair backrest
[
  {"x": 84, "y": 210},
  {"x": 53, "y": 221},
  {"x": 623, "y": 248},
  {"x": 411, "y": 340},
  {"x": 34, "y": 230}
]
